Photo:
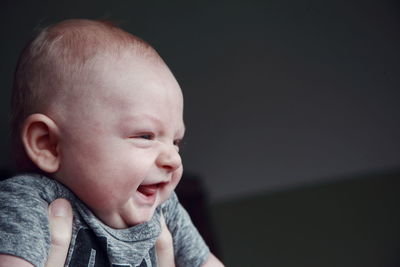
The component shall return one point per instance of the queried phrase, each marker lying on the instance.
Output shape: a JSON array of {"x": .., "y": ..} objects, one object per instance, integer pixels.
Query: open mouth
[{"x": 151, "y": 189}]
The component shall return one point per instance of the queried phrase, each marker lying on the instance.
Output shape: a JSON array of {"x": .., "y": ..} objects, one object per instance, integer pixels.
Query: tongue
[{"x": 148, "y": 190}]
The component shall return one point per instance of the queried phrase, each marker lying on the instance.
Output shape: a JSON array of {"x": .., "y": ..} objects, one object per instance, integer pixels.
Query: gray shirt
[{"x": 24, "y": 229}]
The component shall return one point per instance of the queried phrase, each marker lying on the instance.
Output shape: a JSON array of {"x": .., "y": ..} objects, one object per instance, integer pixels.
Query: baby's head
[{"x": 97, "y": 109}]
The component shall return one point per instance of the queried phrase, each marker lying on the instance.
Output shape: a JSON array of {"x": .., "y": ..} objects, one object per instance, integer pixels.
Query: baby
[{"x": 98, "y": 118}]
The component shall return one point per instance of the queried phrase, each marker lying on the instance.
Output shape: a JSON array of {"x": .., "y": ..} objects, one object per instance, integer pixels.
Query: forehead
[
  {"x": 131, "y": 74},
  {"x": 127, "y": 85}
]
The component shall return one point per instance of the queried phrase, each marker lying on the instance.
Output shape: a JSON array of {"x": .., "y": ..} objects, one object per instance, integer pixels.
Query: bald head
[{"x": 58, "y": 58}]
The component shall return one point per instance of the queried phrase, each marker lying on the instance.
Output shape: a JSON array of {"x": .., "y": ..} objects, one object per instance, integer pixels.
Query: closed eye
[
  {"x": 147, "y": 136},
  {"x": 144, "y": 136},
  {"x": 178, "y": 143}
]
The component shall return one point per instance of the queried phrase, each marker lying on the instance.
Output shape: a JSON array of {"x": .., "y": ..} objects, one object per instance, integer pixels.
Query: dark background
[{"x": 292, "y": 113}]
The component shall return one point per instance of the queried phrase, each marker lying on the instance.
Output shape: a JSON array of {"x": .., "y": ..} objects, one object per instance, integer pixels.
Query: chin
[{"x": 141, "y": 217}]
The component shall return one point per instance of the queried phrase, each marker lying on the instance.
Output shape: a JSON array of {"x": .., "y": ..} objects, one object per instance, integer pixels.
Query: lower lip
[{"x": 148, "y": 193}]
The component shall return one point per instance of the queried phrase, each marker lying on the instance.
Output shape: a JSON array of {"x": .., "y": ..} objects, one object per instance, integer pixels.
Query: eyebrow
[{"x": 155, "y": 120}]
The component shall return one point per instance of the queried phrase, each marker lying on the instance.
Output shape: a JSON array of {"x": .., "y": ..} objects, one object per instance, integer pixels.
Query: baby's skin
[{"x": 111, "y": 134}]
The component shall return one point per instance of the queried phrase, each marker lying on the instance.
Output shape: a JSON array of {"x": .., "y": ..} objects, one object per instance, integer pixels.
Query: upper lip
[
  {"x": 156, "y": 182},
  {"x": 150, "y": 189}
]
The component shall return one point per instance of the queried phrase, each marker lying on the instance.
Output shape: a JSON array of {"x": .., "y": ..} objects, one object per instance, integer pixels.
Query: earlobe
[{"x": 40, "y": 137}]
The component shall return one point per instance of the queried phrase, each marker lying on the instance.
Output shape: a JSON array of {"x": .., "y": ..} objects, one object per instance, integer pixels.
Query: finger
[
  {"x": 60, "y": 220},
  {"x": 164, "y": 247}
]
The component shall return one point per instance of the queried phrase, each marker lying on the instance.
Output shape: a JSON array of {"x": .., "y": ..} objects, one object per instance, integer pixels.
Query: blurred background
[{"x": 292, "y": 114}]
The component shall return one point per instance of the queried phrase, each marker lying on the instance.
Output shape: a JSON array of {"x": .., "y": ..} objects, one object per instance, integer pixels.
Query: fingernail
[{"x": 58, "y": 209}]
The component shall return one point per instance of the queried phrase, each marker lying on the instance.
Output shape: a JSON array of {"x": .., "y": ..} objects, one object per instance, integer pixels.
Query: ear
[{"x": 40, "y": 137}]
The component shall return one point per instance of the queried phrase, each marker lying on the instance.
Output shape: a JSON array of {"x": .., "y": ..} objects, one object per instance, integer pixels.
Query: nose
[{"x": 169, "y": 158}]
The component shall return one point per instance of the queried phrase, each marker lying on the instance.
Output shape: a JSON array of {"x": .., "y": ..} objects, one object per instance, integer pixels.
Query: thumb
[
  {"x": 60, "y": 221},
  {"x": 164, "y": 246}
]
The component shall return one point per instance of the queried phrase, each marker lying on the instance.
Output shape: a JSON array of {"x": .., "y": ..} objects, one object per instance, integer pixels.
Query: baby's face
[{"x": 119, "y": 140}]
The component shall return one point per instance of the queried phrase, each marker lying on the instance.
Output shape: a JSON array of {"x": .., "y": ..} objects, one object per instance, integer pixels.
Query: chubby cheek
[
  {"x": 110, "y": 192},
  {"x": 104, "y": 178},
  {"x": 168, "y": 189},
  {"x": 116, "y": 186},
  {"x": 176, "y": 177}
]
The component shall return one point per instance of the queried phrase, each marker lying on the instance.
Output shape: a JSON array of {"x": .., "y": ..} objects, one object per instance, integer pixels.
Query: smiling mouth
[{"x": 151, "y": 189}]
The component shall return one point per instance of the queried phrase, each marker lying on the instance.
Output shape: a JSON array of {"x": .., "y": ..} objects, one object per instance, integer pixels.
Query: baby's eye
[
  {"x": 178, "y": 143},
  {"x": 147, "y": 136}
]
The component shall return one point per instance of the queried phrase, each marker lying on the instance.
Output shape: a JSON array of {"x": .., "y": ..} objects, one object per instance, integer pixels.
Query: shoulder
[
  {"x": 22, "y": 181},
  {"x": 171, "y": 203},
  {"x": 22, "y": 194},
  {"x": 31, "y": 186},
  {"x": 9, "y": 260},
  {"x": 190, "y": 248},
  {"x": 19, "y": 189},
  {"x": 23, "y": 216}
]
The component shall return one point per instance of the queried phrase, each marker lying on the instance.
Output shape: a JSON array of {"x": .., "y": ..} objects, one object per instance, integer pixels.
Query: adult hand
[
  {"x": 164, "y": 247},
  {"x": 165, "y": 250},
  {"x": 60, "y": 220}
]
